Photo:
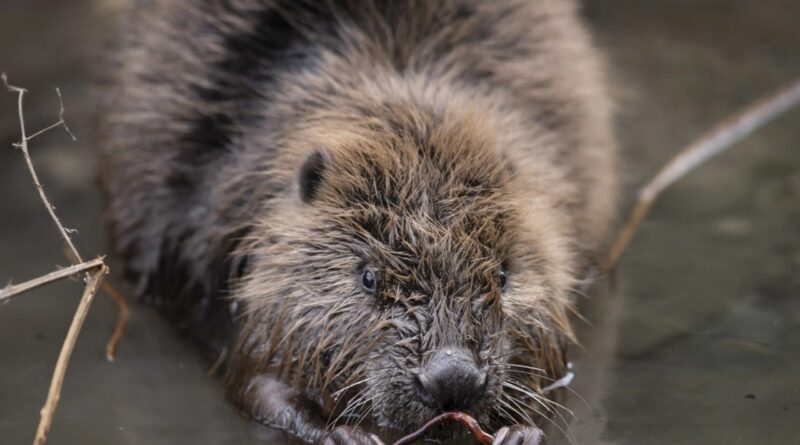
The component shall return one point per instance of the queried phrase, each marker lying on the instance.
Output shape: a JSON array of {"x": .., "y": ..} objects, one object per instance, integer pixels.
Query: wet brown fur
[{"x": 452, "y": 139}]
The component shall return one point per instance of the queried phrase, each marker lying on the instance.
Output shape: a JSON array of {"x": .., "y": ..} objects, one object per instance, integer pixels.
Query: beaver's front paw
[
  {"x": 519, "y": 435},
  {"x": 349, "y": 435}
]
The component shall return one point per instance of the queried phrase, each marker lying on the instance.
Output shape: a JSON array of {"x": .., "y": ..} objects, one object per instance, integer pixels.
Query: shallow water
[{"x": 699, "y": 342}]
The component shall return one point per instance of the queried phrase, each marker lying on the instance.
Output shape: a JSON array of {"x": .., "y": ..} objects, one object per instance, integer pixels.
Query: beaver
[{"x": 381, "y": 205}]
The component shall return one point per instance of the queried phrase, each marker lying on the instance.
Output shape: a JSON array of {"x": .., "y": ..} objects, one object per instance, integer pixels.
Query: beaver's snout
[{"x": 451, "y": 380}]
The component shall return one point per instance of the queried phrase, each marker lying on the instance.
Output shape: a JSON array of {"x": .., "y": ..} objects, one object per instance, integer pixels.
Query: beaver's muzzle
[{"x": 451, "y": 380}]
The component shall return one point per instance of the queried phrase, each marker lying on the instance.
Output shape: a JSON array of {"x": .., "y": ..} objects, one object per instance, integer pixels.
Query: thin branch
[
  {"x": 217, "y": 363},
  {"x": 122, "y": 319},
  {"x": 122, "y": 313},
  {"x": 44, "y": 130},
  {"x": 54, "y": 393},
  {"x": 92, "y": 280},
  {"x": 717, "y": 140},
  {"x": 13, "y": 290},
  {"x": 61, "y": 122},
  {"x": 61, "y": 115},
  {"x": 23, "y": 146}
]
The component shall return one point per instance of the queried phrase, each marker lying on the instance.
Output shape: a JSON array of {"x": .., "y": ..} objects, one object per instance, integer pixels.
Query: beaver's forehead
[
  {"x": 414, "y": 240},
  {"x": 434, "y": 199},
  {"x": 419, "y": 163},
  {"x": 424, "y": 202},
  {"x": 439, "y": 189}
]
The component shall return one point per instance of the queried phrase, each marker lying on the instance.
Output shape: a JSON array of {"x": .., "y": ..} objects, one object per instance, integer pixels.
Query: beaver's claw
[
  {"x": 349, "y": 435},
  {"x": 519, "y": 435}
]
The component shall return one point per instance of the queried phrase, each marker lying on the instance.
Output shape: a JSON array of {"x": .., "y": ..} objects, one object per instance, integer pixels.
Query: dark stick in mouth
[{"x": 463, "y": 418}]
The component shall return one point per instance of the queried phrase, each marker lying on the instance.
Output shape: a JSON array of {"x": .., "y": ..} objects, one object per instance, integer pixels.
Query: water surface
[{"x": 698, "y": 343}]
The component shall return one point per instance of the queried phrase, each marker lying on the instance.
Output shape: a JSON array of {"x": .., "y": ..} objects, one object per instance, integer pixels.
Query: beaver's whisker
[
  {"x": 522, "y": 405},
  {"x": 367, "y": 412},
  {"x": 364, "y": 400},
  {"x": 520, "y": 409},
  {"x": 548, "y": 405},
  {"x": 336, "y": 394},
  {"x": 516, "y": 365},
  {"x": 340, "y": 391},
  {"x": 550, "y": 379},
  {"x": 504, "y": 412},
  {"x": 348, "y": 410},
  {"x": 529, "y": 369},
  {"x": 516, "y": 385},
  {"x": 539, "y": 401}
]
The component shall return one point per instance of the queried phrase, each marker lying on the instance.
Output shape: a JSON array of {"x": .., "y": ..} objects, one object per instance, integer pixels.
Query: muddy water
[{"x": 699, "y": 342}]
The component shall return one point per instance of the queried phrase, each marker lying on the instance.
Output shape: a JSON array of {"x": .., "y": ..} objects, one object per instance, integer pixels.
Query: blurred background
[{"x": 698, "y": 344}]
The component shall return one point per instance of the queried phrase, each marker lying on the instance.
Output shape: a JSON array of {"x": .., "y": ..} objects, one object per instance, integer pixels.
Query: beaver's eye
[
  {"x": 502, "y": 279},
  {"x": 368, "y": 281}
]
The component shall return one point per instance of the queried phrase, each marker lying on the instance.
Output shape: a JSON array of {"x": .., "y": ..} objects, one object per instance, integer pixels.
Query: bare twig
[
  {"x": 717, "y": 140},
  {"x": 54, "y": 393},
  {"x": 463, "y": 418},
  {"x": 13, "y": 290},
  {"x": 23, "y": 146},
  {"x": 92, "y": 280},
  {"x": 122, "y": 314},
  {"x": 122, "y": 319},
  {"x": 217, "y": 363},
  {"x": 61, "y": 122}
]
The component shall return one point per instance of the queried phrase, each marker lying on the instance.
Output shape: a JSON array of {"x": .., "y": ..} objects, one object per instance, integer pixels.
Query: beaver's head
[{"x": 413, "y": 269}]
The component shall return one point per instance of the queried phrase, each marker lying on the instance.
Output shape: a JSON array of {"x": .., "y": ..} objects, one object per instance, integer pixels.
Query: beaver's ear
[{"x": 311, "y": 174}]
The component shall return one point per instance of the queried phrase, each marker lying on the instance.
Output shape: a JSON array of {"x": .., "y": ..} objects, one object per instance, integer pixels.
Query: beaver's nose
[{"x": 450, "y": 381}]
